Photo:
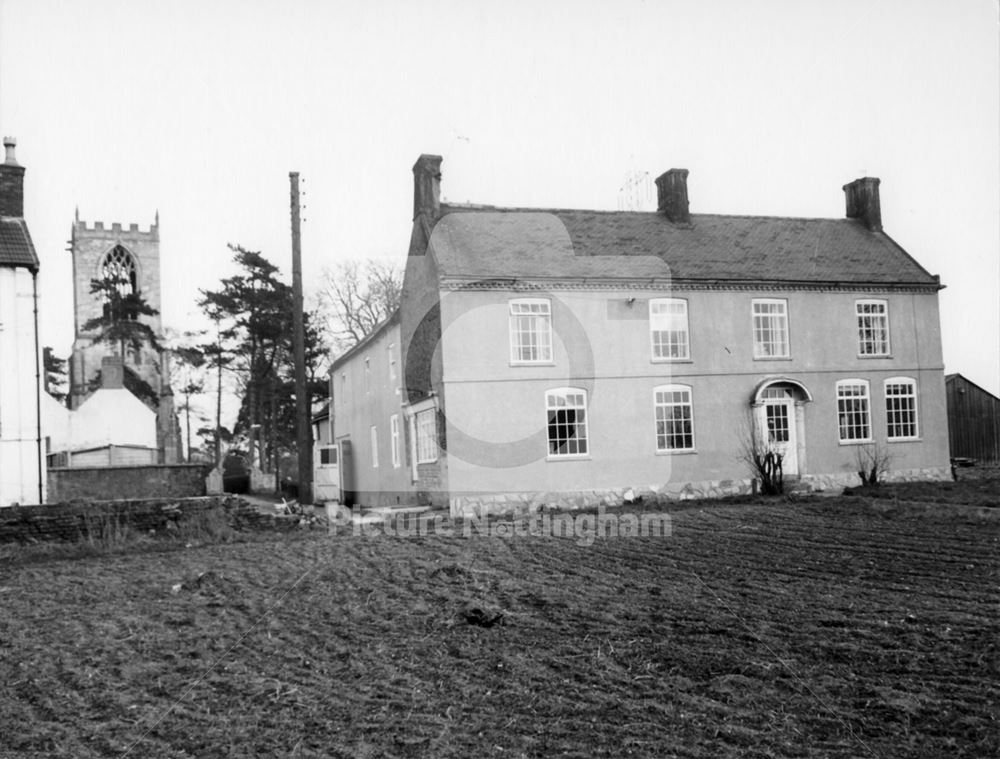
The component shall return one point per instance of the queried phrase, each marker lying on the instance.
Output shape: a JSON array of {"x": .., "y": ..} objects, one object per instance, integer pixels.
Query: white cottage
[{"x": 22, "y": 463}]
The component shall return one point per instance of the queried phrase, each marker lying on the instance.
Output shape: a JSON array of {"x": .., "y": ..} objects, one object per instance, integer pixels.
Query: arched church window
[{"x": 119, "y": 265}]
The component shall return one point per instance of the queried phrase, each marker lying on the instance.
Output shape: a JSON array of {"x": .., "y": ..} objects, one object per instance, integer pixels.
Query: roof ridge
[{"x": 468, "y": 207}]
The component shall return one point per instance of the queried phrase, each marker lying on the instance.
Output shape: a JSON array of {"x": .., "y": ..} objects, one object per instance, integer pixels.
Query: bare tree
[
  {"x": 761, "y": 456},
  {"x": 357, "y": 296},
  {"x": 873, "y": 461}
]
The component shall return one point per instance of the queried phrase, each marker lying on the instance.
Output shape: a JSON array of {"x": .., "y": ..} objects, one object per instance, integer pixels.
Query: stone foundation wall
[
  {"x": 819, "y": 483},
  {"x": 479, "y": 504},
  {"x": 71, "y": 522}
]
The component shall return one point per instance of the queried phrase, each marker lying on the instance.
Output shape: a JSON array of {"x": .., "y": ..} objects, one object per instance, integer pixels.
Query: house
[
  {"x": 973, "y": 420},
  {"x": 564, "y": 356},
  {"x": 112, "y": 427},
  {"x": 374, "y": 466},
  {"x": 22, "y": 462}
]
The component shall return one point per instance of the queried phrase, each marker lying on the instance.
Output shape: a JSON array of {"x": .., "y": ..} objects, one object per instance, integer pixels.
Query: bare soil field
[{"x": 818, "y": 627}]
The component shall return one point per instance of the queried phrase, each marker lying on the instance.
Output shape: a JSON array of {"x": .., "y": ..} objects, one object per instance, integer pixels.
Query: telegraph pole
[{"x": 304, "y": 436}]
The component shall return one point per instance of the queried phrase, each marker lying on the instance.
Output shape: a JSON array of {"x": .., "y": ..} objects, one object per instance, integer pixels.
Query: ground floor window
[
  {"x": 674, "y": 418},
  {"x": 328, "y": 455},
  {"x": 901, "y": 408},
  {"x": 853, "y": 411},
  {"x": 394, "y": 439},
  {"x": 374, "y": 433},
  {"x": 566, "y": 410},
  {"x": 426, "y": 429}
]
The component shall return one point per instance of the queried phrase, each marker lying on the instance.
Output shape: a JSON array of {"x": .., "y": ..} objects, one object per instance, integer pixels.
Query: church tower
[{"x": 132, "y": 256}]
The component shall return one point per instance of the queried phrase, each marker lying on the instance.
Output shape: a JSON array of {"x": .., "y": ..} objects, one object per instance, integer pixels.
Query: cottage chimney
[
  {"x": 11, "y": 182},
  {"x": 863, "y": 202},
  {"x": 427, "y": 186},
  {"x": 672, "y": 195},
  {"x": 112, "y": 373}
]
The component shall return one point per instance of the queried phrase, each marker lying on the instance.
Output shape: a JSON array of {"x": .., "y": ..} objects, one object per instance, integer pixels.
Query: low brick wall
[
  {"x": 71, "y": 522},
  {"x": 133, "y": 482}
]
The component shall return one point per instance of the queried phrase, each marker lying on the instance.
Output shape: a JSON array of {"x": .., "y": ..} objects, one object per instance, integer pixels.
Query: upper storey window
[
  {"x": 770, "y": 328},
  {"x": 530, "y": 331},
  {"x": 668, "y": 329},
  {"x": 873, "y": 327}
]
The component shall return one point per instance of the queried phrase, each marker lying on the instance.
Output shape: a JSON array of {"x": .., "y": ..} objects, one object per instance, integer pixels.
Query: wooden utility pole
[{"x": 304, "y": 436}]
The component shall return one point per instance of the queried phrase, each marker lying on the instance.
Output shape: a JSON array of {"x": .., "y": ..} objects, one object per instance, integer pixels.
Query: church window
[{"x": 119, "y": 265}]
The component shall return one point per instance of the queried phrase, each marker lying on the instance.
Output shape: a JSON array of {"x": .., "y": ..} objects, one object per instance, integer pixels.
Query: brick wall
[
  {"x": 116, "y": 482},
  {"x": 70, "y": 522}
]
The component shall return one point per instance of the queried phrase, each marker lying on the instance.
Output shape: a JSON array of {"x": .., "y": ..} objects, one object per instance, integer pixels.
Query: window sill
[
  {"x": 893, "y": 440},
  {"x": 532, "y": 363},
  {"x": 678, "y": 452},
  {"x": 572, "y": 457},
  {"x": 874, "y": 355},
  {"x": 869, "y": 441},
  {"x": 772, "y": 358},
  {"x": 671, "y": 361}
]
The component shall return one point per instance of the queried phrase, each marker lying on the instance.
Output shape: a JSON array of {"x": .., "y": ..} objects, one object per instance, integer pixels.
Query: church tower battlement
[{"x": 98, "y": 250}]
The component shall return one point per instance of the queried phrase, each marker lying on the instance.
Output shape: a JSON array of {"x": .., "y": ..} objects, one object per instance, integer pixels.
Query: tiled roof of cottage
[
  {"x": 16, "y": 248},
  {"x": 485, "y": 243}
]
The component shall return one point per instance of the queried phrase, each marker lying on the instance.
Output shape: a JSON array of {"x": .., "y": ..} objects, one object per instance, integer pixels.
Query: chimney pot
[
  {"x": 672, "y": 196},
  {"x": 863, "y": 203},
  {"x": 9, "y": 143}
]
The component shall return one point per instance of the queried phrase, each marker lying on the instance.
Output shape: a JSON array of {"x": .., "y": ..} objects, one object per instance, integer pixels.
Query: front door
[{"x": 779, "y": 419}]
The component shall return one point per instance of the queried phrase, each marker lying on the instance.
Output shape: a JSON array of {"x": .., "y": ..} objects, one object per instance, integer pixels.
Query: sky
[{"x": 199, "y": 111}]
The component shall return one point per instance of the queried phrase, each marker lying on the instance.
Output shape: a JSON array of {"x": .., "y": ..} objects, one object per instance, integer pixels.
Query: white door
[
  {"x": 779, "y": 420},
  {"x": 326, "y": 474}
]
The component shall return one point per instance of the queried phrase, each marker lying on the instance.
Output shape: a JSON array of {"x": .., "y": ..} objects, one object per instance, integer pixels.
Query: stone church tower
[{"x": 133, "y": 255}]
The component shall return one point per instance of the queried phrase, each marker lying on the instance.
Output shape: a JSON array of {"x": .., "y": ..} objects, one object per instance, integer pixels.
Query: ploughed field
[{"x": 820, "y": 627}]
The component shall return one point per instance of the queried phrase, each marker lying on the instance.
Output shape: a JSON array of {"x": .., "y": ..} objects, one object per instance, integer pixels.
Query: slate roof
[
  {"x": 16, "y": 248},
  {"x": 494, "y": 243}
]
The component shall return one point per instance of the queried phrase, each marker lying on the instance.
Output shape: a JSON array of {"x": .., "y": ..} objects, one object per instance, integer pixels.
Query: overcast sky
[{"x": 200, "y": 110}]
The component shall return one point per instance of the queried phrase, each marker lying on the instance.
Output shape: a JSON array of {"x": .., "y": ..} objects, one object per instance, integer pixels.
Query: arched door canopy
[{"x": 757, "y": 397}]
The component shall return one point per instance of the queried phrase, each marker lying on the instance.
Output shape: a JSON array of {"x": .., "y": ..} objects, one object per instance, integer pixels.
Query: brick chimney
[
  {"x": 112, "y": 373},
  {"x": 863, "y": 202},
  {"x": 672, "y": 195},
  {"x": 427, "y": 186},
  {"x": 11, "y": 182}
]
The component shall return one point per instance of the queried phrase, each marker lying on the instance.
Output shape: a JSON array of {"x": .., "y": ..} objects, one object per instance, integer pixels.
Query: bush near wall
[
  {"x": 105, "y": 521},
  {"x": 113, "y": 482}
]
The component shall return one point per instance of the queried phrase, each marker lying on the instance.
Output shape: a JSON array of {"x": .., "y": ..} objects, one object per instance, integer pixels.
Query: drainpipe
[{"x": 38, "y": 389}]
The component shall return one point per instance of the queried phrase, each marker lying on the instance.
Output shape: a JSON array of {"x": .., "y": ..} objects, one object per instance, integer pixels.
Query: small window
[
  {"x": 427, "y": 448},
  {"x": 566, "y": 410},
  {"x": 873, "y": 327},
  {"x": 530, "y": 331},
  {"x": 374, "y": 431},
  {"x": 368, "y": 374},
  {"x": 392, "y": 363},
  {"x": 328, "y": 455},
  {"x": 674, "y": 418},
  {"x": 343, "y": 388},
  {"x": 668, "y": 329},
  {"x": 901, "y": 408},
  {"x": 394, "y": 439},
  {"x": 770, "y": 328},
  {"x": 854, "y": 411}
]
